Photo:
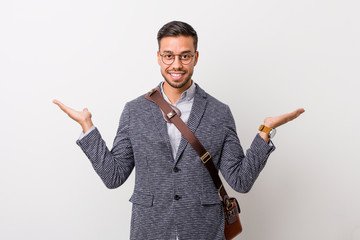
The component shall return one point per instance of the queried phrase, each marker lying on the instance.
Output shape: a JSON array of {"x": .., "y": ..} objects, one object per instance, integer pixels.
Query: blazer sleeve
[
  {"x": 240, "y": 170},
  {"x": 114, "y": 166}
]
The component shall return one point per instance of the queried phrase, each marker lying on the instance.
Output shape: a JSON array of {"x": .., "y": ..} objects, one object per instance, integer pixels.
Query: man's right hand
[{"x": 83, "y": 117}]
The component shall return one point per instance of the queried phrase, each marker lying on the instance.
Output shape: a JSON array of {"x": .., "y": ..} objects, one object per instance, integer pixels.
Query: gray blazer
[{"x": 175, "y": 194}]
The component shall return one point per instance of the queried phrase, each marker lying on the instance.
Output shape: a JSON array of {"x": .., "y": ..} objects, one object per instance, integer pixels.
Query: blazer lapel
[
  {"x": 161, "y": 126},
  {"x": 196, "y": 114}
]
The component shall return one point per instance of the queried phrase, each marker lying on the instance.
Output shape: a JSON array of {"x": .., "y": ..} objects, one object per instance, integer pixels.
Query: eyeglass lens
[{"x": 170, "y": 58}]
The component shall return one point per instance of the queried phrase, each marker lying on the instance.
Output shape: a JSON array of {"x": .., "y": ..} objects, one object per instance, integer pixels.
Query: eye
[
  {"x": 185, "y": 56},
  {"x": 168, "y": 56}
]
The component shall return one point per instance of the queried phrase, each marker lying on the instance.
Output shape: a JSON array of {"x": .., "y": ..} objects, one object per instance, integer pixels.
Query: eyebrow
[{"x": 168, "y": 51}]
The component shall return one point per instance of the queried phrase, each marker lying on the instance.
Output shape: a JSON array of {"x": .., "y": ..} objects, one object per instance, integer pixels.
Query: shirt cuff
[{"x": 87, "y": 132}]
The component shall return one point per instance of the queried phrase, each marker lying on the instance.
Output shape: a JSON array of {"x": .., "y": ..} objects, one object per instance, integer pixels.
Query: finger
[
  {"x": 63, "y": 107},
  {"x": 296, "y": 113},
  {"x": 56, "y": 101},
  {"x": 287, "y": 117},
  {"x": 299, "y": 111},
  {"x": 60, "y": 104},
  {"x": 282, "y": 119}
]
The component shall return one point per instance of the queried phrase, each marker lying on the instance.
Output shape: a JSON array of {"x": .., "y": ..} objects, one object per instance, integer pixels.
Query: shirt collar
[{"x": 187, "y": 95}]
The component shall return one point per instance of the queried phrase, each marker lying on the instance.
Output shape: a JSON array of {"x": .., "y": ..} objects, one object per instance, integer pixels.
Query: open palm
[
  {"x": 274, "y": 122},
  {"x": 82, "y": 117}
]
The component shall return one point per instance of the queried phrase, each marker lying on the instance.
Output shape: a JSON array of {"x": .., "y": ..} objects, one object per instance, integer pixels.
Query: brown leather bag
[
  {"x": 230, "y": 205},
  {"x": 232, "y": 225}
]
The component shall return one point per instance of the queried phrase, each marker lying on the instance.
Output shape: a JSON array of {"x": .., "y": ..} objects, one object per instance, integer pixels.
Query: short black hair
[{"x": 175, "y": 29}]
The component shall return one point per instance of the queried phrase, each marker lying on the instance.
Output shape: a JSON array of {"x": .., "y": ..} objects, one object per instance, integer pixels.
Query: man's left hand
[{"x": 274, "y": 122}]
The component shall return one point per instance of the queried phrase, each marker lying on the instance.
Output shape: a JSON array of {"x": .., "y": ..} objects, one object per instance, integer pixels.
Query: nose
[{"x": 177, "y": 64}]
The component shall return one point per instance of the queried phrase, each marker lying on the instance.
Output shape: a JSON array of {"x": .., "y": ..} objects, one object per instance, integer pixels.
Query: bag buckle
[
  {"x": 206, "y": 157},
  {"x": 171, "y": 114},
  {"x": 231, "y": 210}
]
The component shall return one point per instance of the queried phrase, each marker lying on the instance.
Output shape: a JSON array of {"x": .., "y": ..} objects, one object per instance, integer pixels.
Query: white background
[{"x": 263, "y": 58}]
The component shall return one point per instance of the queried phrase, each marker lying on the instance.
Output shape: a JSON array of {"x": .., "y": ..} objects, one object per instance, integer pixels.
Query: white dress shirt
[{"x": 184, "y": 104}]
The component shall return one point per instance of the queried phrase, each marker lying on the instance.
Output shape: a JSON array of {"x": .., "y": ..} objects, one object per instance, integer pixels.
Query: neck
[{"x": 174, "y": 94}]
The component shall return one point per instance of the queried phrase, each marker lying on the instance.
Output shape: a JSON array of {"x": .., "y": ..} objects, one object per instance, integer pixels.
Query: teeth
[{"x": 176, "y": 74}]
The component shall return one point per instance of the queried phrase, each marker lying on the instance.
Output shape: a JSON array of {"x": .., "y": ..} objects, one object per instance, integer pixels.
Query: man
[{"x": 174, "y": 195}]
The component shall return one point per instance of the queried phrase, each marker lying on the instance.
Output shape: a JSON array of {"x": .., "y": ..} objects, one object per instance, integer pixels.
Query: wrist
[
  {"x": 270, "y": 132},
  {"x": 86, "y": 125},
  {"x": 264, "y": 136}
]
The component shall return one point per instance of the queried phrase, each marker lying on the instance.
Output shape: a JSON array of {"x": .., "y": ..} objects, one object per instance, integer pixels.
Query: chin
[{"x": 177, "y": 84}]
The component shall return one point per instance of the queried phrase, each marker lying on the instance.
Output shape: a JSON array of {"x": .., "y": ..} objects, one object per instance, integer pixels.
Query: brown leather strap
[
  {"x": 265, "y": 129},
  {"x": 156, "y": 97}
]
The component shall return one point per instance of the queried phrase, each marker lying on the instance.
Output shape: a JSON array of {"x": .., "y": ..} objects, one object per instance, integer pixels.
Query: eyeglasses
[{"x": 169, "y": 58}]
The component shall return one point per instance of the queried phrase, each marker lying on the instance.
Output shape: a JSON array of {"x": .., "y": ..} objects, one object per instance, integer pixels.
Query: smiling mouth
[{"x": 176, "y": 76}]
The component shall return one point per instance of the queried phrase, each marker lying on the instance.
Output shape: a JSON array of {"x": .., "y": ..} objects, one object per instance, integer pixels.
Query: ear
[
  {"x": 196, "y": 57},
  {"x": 158, "y": 57}
]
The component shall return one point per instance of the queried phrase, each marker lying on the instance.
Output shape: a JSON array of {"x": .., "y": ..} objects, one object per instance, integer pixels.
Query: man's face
[{"x": 177, "y": 74}]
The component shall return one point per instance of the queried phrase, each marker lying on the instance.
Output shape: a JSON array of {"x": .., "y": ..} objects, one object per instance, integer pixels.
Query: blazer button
[
  {"x": 177, "y": 197},
  {"x": 176, "y": 169}
]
